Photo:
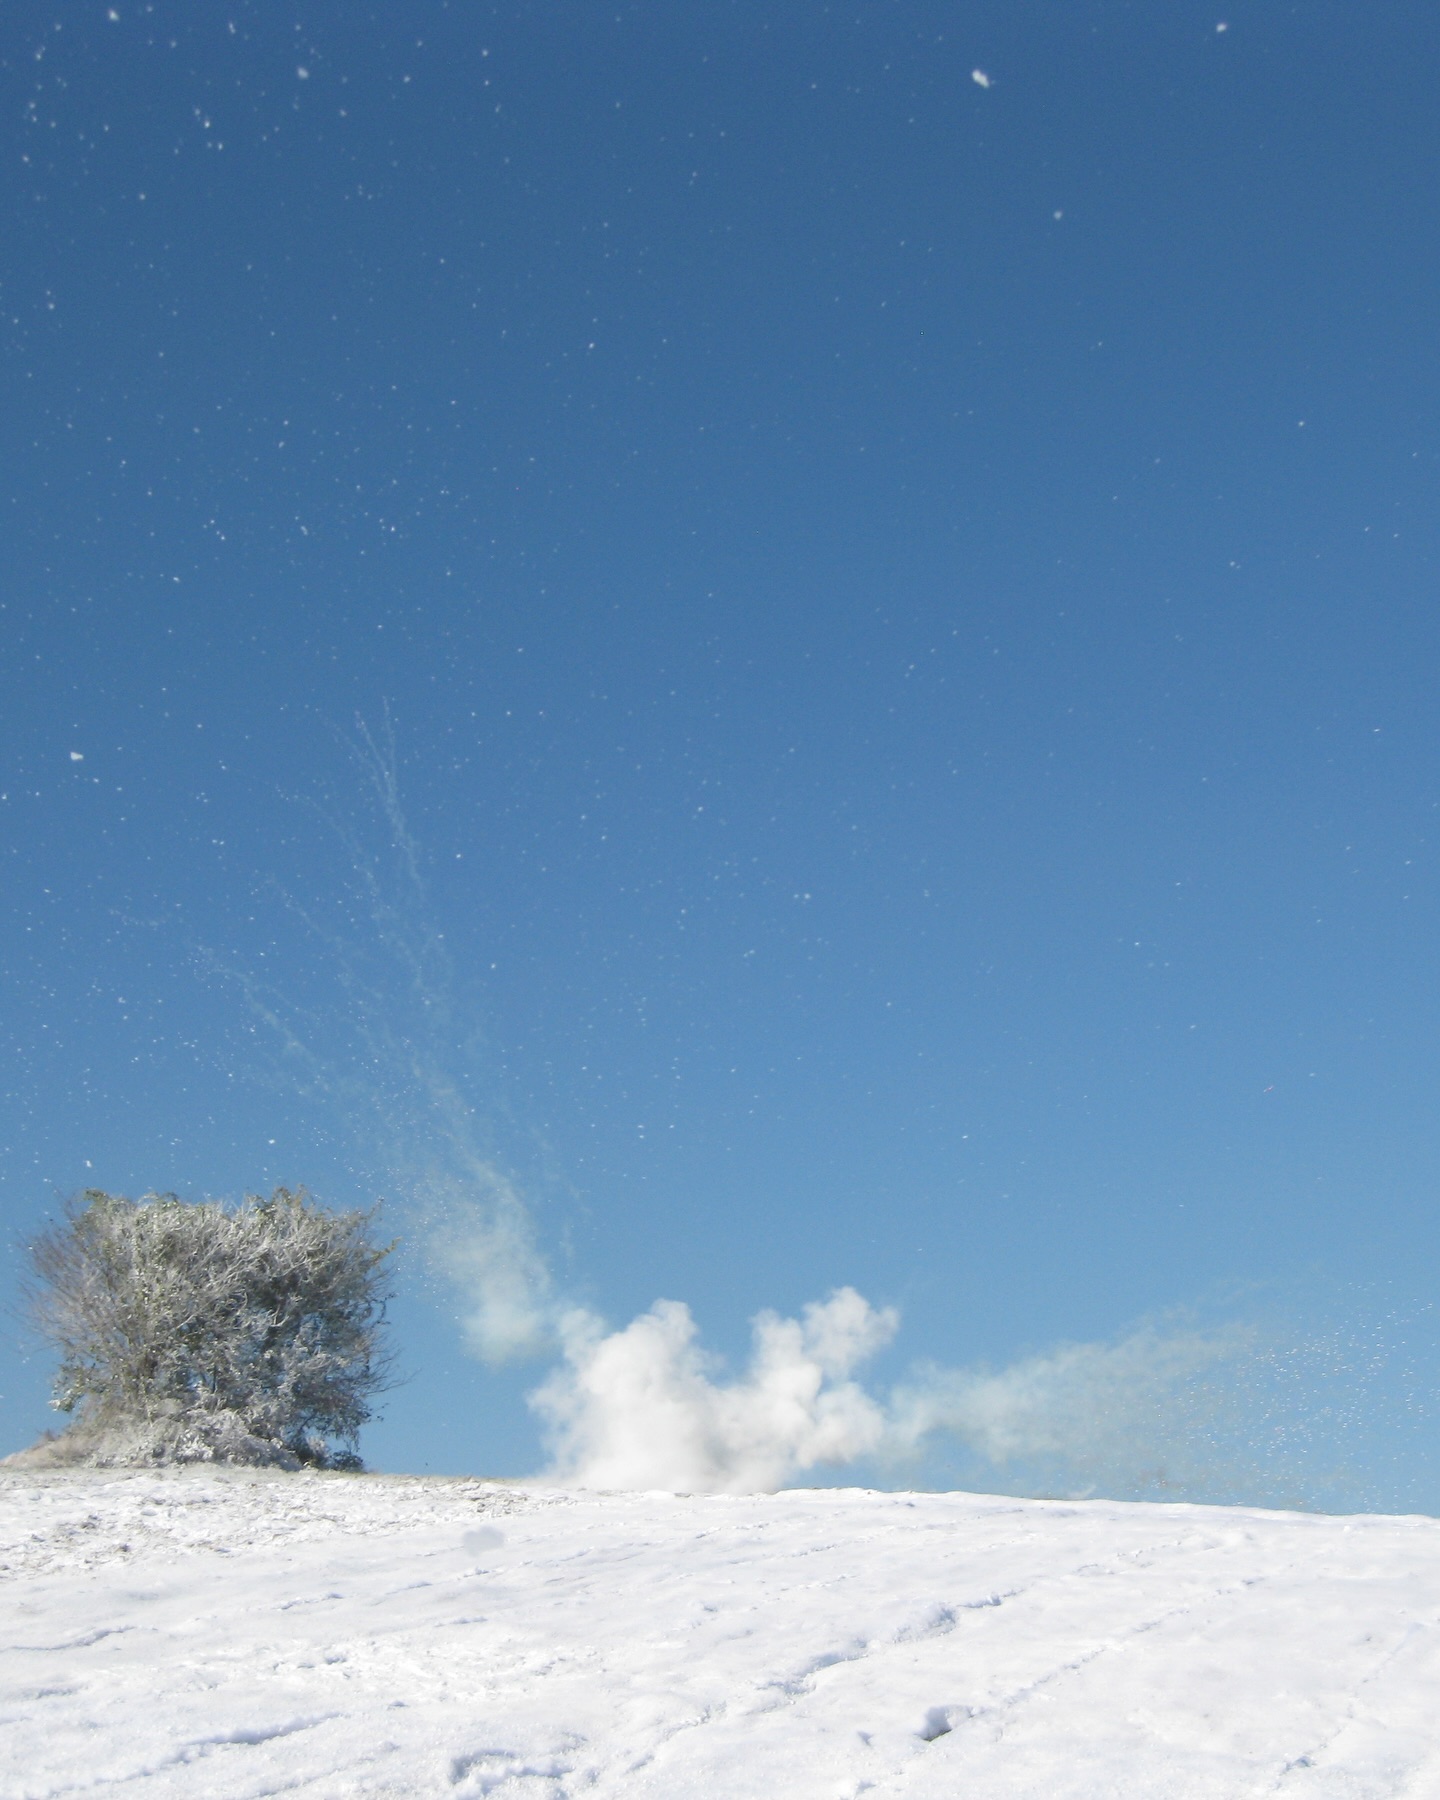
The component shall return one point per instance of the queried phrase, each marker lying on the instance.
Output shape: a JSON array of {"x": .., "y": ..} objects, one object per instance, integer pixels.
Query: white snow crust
[{"x": 242, "y": 1633}]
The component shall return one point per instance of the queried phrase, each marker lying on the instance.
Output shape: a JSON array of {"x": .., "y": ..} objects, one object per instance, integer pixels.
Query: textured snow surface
[{"x": 237, "y": 1634}]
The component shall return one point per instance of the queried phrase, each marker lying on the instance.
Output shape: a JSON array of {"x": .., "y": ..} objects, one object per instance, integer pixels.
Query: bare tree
[{"x": 199, "y": 1332}]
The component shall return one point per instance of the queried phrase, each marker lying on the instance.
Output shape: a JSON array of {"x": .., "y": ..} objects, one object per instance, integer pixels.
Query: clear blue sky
[{"x": 907, "y": 607}]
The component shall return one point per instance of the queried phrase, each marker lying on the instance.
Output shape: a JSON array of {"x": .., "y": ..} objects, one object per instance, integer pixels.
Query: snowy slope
[{"x": 203, "y": 1633}]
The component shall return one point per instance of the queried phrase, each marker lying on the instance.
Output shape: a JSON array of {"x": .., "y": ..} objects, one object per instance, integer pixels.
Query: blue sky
[{"x": 906, "y": 609}]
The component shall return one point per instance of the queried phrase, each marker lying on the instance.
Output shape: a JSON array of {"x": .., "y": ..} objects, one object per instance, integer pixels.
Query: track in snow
[{"x": 236, "y": 1634}]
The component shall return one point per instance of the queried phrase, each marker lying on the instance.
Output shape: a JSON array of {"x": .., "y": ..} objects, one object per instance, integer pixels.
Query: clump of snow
[{"x": 230, "y": 1632}]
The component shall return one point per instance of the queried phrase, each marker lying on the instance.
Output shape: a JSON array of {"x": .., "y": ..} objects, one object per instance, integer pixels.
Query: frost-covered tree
[{"x": 191, "y": 1331}]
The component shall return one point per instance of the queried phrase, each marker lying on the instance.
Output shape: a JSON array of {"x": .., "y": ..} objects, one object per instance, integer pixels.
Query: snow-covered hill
[{"x": 236, "y": 1634}]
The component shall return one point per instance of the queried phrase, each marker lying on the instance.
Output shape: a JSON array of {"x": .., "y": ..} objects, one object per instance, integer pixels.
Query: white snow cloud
[
  {"x": 641, "y": 1409},
  {"x": 646, "y": 1408}
]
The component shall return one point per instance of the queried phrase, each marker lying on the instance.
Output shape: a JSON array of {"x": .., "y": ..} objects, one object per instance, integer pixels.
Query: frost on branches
[{"x": 196, "y": 1332}]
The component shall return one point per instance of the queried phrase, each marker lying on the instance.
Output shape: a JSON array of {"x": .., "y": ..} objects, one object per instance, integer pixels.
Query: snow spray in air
[
  {"x": 1227, "y": 1410},
  {"x": 403, "y": 1074},
  {"x": 640, "y": 1408}
]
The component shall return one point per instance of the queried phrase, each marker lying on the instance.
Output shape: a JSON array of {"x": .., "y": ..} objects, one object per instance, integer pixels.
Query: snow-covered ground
[{"x": 229, "y": 1634}]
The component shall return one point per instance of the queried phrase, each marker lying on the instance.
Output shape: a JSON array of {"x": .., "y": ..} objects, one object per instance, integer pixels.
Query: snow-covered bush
[{"x": 191, "y": 1331}]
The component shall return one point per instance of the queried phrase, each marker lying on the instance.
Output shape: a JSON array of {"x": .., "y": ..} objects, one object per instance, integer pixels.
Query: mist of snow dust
[
  {"x": 1171, "y": 1409},
  {"x": 645, "y": 1408},
  {"x": 1265, "y": 1410},
  {"x": 399, "y": 1070}
]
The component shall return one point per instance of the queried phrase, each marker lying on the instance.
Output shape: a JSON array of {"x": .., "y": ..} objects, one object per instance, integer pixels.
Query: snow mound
[
  {"x": 215, "y": 1436},
  {"x": 233, "y": 1632}
]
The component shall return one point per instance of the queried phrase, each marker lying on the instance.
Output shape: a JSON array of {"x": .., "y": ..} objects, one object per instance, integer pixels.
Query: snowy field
[{"x": 238, "y": 1634}]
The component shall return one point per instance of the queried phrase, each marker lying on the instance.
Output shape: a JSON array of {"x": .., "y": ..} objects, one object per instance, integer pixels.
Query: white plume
[
  {"x": 645, "y": 1408},
  {"x": 639, "y": 1408}
]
